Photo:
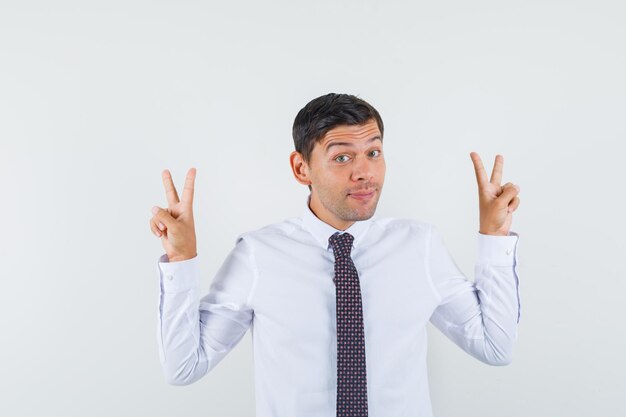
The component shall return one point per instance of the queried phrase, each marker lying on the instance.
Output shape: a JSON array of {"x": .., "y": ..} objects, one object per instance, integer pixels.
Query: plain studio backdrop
[{"x": 98, "y": 98}]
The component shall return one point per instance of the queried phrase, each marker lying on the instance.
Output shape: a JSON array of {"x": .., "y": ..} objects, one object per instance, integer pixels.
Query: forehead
[{"x": 363, "y": 131}]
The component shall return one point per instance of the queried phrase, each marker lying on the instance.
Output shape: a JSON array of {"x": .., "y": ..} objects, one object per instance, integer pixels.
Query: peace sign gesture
[
  {"x": 497, "y": 203},
  {"x": 175, "y": 225}
]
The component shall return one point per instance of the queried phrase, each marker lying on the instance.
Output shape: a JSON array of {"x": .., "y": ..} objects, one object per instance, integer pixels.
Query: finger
[
  {"x": 496, "y": 174},
  {"x": 154, "y": 228},
  {"x": 170, "y": 190},
  {"x": 188, "y": 190},
  {"x": 514, "y": 204},
  {"x": 161, "y": 215},
  {"x": 479, "y": 169},
  {"x": 509, "y": 192},
  {"x": 160, "y": 225},
  {"x": 503, "y": 188}
]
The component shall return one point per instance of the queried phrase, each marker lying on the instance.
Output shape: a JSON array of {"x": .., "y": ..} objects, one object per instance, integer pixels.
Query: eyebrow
[{"x": 349, "y": 143}]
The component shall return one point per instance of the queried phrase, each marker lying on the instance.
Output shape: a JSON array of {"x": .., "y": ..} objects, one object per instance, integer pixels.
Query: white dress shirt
[{"x": 278, "y": 281}]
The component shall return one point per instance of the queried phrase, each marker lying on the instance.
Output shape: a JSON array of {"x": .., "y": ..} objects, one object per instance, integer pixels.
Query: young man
[{"x": 337, "y": 299}]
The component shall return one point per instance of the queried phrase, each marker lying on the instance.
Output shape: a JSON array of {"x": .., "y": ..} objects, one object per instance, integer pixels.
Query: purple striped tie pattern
[{"x": 351, "y": 370}]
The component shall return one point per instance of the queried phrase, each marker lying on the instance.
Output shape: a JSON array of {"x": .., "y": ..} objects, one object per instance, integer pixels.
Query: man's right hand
[{"x": 175, "y": 225}]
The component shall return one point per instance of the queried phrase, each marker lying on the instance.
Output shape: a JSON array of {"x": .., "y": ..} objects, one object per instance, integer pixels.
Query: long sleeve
[
  {"x": 482, "y": 316},
  {"x": 195, "y": 334}
]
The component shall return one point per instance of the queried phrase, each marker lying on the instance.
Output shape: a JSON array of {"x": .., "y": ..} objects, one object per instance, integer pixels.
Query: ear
[{"x": 300, "y": 168}]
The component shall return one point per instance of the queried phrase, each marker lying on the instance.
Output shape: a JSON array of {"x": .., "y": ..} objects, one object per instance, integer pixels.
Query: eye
[
  {"x": 336, "y": 159},
  {"x": 376, "y": 150}
]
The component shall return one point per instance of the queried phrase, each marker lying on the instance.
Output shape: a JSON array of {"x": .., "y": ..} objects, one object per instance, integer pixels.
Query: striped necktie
[{"x": 351, "y": 371}]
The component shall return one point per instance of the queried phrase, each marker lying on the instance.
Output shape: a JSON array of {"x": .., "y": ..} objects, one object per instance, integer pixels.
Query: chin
[{"x": 364, "y": 213}]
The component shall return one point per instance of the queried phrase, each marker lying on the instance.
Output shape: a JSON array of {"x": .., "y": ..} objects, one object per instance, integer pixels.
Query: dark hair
[{"x": 326, "y": 112}]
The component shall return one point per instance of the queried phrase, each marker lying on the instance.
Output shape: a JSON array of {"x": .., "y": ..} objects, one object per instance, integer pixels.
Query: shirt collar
[{"x": 322, "y": 230}]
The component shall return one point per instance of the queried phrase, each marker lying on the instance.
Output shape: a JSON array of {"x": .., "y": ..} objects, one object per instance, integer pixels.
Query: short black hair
[{"x": 327, "y": 112}]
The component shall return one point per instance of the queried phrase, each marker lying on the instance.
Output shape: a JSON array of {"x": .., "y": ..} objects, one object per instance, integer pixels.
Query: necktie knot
[{"x": 342, "y": 244}]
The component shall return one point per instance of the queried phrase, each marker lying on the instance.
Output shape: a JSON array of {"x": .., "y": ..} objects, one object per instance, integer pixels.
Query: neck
[{"x": 327, "y": 217}]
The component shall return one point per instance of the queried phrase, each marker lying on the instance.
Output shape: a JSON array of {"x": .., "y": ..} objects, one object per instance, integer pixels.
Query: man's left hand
[{"x": 497, "y": 203}]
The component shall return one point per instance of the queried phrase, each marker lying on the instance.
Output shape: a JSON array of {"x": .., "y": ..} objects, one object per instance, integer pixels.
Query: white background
[{"x": 97, "y": 98}]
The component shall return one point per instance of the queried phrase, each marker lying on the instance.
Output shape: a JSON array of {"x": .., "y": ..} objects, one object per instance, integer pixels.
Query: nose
[{"x": 362, "y": 169}]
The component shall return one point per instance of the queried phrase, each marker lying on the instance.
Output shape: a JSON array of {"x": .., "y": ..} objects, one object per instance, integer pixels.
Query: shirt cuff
[
  {"x": 497, "y": 250},
  {"x": 178, "y": 276}
]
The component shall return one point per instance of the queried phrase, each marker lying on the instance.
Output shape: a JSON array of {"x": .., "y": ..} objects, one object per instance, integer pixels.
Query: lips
[{"x": 362, "y": 194}]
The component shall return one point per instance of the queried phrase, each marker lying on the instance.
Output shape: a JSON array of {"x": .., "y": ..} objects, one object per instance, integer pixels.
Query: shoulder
[
  {"x": 411, "y": 226},
  {"x": 284, "y": 228},
  {"x": 401, "y": 223}
]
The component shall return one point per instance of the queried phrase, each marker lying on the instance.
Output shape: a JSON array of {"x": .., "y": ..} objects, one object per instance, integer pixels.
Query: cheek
[
  {"x": 329, "y": 173},
  {"x": 377, "y": 168},
  {"x": 333, "y": 180}
]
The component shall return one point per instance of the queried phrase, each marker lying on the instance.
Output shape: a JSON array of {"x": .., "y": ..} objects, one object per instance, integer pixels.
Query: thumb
[
  {"x": 509, "y": 192},
  {"x": 163, "y": 216}
]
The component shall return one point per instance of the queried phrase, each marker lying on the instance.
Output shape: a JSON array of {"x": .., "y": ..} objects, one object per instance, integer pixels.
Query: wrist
[
  {"x": 180, "y": 258},
  {"x": 497, "y": 233}
]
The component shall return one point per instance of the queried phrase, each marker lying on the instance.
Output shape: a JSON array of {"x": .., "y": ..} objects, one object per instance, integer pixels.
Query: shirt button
[
  {"x": 508, "y": 251},
  {"x": 170, "y": 277}
]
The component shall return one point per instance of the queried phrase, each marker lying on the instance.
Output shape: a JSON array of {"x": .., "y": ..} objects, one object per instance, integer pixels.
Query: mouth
[{"x": 362, "y": 195}]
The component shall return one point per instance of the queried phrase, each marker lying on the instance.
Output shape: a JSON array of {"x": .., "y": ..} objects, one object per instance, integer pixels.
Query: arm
[
  {"x": 194, "y": 334},
  {"x": 480, "y": 317}
]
